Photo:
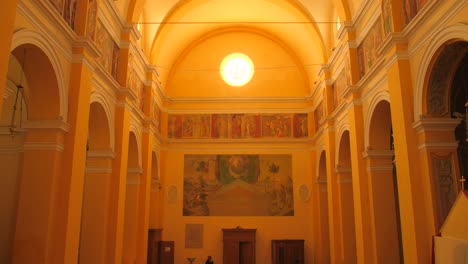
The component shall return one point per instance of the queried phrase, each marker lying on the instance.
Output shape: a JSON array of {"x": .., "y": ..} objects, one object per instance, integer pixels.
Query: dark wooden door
[
  {"x": 287, "y": 251},
  {"x": 239, "y": 246},
  {"x": 166, "y": 252},
  {"x": 154, "y": 236},
  {"x": 246, "y": 253}
]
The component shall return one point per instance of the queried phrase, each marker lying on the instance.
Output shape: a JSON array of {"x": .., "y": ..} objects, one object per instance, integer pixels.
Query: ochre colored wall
[
  {"x": 277, "y": 71},
  {"x": 298, "y": 226}
]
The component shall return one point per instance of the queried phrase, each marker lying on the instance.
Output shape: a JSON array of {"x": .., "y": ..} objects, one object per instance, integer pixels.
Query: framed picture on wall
[{"x": 193, "y": 236}]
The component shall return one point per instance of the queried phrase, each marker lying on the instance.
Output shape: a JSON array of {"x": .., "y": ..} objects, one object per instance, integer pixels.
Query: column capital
[
  {"x": 425, "y": 124},
  {"x": 377, "y": 153},
  {"x": 83, "y": 44}
]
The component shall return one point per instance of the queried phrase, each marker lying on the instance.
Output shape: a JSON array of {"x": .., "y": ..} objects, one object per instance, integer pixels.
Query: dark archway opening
[{"x": 459, "y": 109}]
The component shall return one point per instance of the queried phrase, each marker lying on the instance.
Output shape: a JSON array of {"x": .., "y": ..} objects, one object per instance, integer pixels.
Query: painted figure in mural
[
  {"x": 410, "y": 10},
  {"x": 115, "y": 59},
  {"x": 251, "y": 126},
  {"x": 91, "y": 21},
  {"x": 387, "y": 16},
  {"x": 220, "y": 126},
  {"x": 69, "y": 12},
  {"x": 236, "y": 125},
  {"x": 300, "y": 125},
  {"x": 205, "y": 127},
  {"x": 187, "y": 127},
  {"x": 174, "y": 126}
]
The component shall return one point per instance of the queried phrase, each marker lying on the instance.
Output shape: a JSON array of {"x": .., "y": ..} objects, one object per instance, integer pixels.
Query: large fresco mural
[
  {"x": 109, "y": 58},
  {"x": 238, "y": 126},
  {"x": 238, "y": 185},
  {"x": 368, "y": 49},
  {"x": 67, "y": 9}
]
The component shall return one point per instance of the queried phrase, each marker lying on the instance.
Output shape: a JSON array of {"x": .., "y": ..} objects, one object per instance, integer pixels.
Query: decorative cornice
[
  {"x": 339, "y": 169},
  {"x": 388, "y": 168},
  {"x": 323, "y": 69},
  {"x": 49, "y": 12},
  {"x": 43, "y": 146},
  {"x": 321, "y": 180},
  {"x": 135, "y": 170},
  {"x": 46, "y": 124},
  {"x": 236, "y": 100},
  {"x": 362, "y": 9},
  {"x": 323, "y": 190},
  {"x": 88, "y": 44},
  {"x": 428, "y": 9},
  {"x": 108, "y": 24},
  {"x": 115, "y": 12},
  {"x": 346, "y": 28},
  {"x": 106, "y": 77},
  {"x": 101, "y": 154},
  {"x": 436, "y": 124},
  {"x": 377, "y": 153},
  {"x": 438, "y": 145},
  {"x": 344, "y": 179},
  {"x": 392, "y": 39},
  {"x": 370, "y": 75},
  {"x": 444, "y": 19},
  {"x": 133, "y": 181},
  {"x": 10, "y": 149},
  {"x": 350, "y": 89},
  {"x": 370, "y": 23},
  {"x": 99, "y": 170},
  {"x": 45, "y": 24},
  {"x": 211, "y": 146}
]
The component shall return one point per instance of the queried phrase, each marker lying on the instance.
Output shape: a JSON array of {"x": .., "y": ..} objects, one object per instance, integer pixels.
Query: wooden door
[
  {"x": 239, "y": 246},
  {"x": 154, "y": 236},
  {"x": 287, "y": 251},
  {"x": 246, "y": 253},
  {"x": 166, "y": 252}
]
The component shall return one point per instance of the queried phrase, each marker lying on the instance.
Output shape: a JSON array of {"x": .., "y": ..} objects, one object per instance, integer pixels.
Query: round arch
[
  {"x": 135, "y": 131},
  {"x": 28, "y": 36},
  {"x": 340, "y": 132},
  {"x": 321, "y": 161},
  {"x": 99, "y": 131},
  {"x": 380, "y": 97},
  {"x": 102, "y": 101},
  {"x": 452, "y": 33}
]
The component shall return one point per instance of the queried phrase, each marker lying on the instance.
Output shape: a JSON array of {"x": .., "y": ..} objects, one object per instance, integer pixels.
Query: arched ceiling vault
[{"x": 307, "y": 27}]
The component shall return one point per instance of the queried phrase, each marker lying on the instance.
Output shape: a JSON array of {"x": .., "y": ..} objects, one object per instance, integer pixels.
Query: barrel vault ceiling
[{"x": 169, "y": 27}]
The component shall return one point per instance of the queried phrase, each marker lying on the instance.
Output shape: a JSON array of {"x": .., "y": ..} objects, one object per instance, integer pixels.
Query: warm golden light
[{"x": 237, "y": 69}]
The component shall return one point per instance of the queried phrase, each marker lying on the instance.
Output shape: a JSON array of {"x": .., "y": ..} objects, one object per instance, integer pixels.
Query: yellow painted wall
[
  {"x": 277, "y": 71},
  {"x": 298, "y": 226}
]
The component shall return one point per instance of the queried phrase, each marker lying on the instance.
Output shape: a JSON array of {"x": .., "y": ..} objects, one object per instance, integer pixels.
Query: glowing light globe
[{"x": 237, "y": 69}]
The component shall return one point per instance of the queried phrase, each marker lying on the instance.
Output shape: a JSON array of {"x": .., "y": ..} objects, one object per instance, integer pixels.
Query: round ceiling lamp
[{"x": 237, "y": 69}]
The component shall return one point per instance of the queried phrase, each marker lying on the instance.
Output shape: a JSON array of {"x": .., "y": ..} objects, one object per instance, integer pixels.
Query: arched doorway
[
  {"x": 346, "y": 200},
  {"x": 459, "y": 110},
  {"x": 383, "y": 202},
  {"x": 96, "y": 188},
  {"x": 445, "y": 108},
  {"x": 30, "y": 156},
  {"x": 11, "y": 153}
]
